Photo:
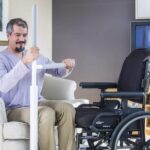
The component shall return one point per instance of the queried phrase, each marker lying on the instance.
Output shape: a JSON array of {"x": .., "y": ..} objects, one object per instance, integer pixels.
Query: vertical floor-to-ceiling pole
[{"x": 34, "y": 89}]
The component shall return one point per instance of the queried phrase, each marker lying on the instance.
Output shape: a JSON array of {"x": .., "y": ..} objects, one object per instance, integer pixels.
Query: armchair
[{"x": 15, "y": 135}]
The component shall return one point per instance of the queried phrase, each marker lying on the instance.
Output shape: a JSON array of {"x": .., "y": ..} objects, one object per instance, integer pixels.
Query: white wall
[
  {"x": 97, "y": 34},
  {"x": 23, "y": 9},
  {"x": 142, "y": 8}
]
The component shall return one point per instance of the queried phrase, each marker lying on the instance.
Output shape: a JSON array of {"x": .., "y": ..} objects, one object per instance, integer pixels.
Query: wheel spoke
[{"x": 125, "y": 140}]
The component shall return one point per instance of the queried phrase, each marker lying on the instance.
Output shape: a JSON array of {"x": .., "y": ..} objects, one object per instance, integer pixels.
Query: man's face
[{"x": 18, "y": 38}]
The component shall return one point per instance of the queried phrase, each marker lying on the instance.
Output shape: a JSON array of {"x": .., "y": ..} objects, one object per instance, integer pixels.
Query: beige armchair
[{"x": 15, "y": 135}]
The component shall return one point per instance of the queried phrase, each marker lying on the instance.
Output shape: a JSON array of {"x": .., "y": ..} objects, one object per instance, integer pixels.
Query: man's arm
[
  {"x": 59, "y": 72},
  {"x": 9, "y": 79}
]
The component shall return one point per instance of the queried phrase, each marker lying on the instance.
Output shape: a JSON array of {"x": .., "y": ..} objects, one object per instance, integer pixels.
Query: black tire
[{"x": 123, "y": 125}]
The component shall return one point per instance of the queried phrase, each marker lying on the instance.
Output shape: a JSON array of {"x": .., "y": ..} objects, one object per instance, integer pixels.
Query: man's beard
[{"x": 21, "y": 47}]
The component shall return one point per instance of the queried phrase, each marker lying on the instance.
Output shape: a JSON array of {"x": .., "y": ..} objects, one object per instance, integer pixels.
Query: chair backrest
[
  {"x": 133, "y": 71},
  {"x": 58, "y": 89}
]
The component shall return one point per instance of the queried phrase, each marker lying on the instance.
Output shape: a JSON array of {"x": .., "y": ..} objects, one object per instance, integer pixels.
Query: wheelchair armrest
[
  {"x": 98, "y": 85},
  {"x": 88, "y": 105},
  {"x": 128, "y": 95}
]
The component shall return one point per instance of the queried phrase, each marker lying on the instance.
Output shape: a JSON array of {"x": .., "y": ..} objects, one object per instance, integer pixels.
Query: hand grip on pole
[{"x": 51, "y": 66}]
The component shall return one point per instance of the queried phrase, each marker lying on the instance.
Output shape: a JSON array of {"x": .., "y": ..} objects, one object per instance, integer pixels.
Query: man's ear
[{"x": 8, "y": 35}]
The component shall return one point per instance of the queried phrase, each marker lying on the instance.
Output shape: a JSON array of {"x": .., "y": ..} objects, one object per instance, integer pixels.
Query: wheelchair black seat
[
  {"x": 106, "y": 119},
  {"x": 96, "y": 119}
]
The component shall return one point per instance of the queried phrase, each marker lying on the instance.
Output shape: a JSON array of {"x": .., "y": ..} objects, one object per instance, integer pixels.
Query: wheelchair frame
[{"x": 129, "y": 132}]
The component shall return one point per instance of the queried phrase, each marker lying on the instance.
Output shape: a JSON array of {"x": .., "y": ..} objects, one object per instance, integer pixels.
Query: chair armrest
[
  {"x": 98, "y": 85},
  {"x": 127, "y": 95},
  {"x": 3, "y": 117},
  {"x": 15, "y": 130},
  {"x": 76, "y": 102},
  {"x": 58, "y": 89}
]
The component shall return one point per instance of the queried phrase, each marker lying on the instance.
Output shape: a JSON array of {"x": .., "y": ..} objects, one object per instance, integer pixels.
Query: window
[{"x": 140, "y": 34}]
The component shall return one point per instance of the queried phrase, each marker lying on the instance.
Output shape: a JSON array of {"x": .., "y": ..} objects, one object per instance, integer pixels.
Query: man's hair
[{"x": 15, "y": 21}]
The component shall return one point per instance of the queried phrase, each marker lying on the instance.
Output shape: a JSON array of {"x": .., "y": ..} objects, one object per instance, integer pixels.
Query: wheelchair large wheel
[{"x": 126, "y": 139}]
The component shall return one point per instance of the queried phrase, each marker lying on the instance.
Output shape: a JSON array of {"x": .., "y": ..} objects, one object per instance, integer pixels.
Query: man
[{"x": 15, "y": 81}]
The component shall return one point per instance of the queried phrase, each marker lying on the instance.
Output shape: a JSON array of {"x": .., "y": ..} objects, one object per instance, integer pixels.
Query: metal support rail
[{"x": 34, "y": 87}]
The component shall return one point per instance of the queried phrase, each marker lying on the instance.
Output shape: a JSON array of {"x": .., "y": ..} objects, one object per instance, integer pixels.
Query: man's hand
[
  {"x": 70, "y": 63},
  {"x": 31, "y": 55}
]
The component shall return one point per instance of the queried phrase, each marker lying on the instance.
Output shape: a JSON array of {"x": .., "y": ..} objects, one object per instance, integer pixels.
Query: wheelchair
[{"x": 112, "y": 124}]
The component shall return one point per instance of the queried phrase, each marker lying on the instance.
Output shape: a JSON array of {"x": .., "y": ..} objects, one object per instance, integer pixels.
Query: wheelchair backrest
[{"x": 133, "y": 71}]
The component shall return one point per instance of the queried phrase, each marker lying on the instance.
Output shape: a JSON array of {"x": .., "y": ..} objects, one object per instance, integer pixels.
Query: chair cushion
[{"x": 15, "y": 130}]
